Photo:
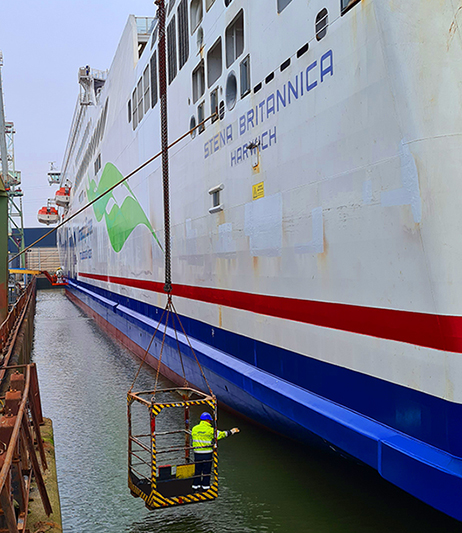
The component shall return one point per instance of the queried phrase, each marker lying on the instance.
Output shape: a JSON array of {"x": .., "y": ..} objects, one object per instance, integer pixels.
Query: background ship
[{"x": 314, "y": 220}]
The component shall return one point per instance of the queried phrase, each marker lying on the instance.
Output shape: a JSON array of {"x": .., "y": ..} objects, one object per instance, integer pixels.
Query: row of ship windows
[
  {"x": 197, "y": 9},
  {"x": 344, "y": 4},
  {"x": 145, "y": 94},
  {"x": 217, "y": 110}
]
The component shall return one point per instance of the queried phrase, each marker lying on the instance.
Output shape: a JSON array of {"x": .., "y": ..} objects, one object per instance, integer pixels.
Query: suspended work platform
[{"x": 160, "y": 456}]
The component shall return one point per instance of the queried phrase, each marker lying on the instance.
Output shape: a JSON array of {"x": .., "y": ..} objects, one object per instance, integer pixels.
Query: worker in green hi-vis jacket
[{"x": 202, "y": 441}]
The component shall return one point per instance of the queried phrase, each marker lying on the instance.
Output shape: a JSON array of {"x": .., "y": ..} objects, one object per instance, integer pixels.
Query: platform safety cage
[{"x": 160, "y": 453}]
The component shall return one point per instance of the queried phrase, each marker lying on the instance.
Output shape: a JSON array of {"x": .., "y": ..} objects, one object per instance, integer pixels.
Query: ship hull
[
  {"x": 428, "y": 473},
  {"x": 315, "y": 224}
]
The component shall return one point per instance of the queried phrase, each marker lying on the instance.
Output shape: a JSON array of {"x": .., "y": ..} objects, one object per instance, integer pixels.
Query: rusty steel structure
[
  {"x": 21, "y": 444},
  {"x": 17, "y": 330},
  {"x": 19, "y": 455}
]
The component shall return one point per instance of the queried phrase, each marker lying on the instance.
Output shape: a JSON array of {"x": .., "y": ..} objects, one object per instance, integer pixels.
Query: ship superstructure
[{"x": 314, "y": 218}]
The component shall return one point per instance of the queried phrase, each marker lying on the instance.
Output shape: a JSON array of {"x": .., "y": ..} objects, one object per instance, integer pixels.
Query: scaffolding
[{"x": 15, "y": 194}]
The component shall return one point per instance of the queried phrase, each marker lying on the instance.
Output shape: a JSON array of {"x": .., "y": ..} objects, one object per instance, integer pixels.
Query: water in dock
[{"x": 267, "y": 483}]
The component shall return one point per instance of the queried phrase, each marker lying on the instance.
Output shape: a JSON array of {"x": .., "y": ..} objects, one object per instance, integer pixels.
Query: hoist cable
[
  {"x": 147, "y": 350},
  {"x": 164, "y": 141},
  {"x": 169, "y": 304},
  {"x": 179, "y": 350},
  {"x": 192, "y": 350}
]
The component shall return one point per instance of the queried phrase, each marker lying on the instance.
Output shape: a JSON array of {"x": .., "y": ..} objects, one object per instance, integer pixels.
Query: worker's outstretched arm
[{"x": 223, "y": 434}]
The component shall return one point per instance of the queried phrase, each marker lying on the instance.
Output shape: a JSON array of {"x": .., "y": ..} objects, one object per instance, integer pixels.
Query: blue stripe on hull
[{"x": 431, "y": 474}]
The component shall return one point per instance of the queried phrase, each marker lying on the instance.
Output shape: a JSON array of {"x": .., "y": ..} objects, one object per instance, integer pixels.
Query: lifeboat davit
[
  {"x": 48, "y": 215},
  {"x": 63, "y": 195}
]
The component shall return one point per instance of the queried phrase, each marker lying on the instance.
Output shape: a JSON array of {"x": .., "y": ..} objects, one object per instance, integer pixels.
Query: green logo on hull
[{"x": 120, "y": 220}]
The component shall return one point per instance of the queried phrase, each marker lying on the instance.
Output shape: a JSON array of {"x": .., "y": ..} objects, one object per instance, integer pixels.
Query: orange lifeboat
[
  {"x": 63, "y": 196},
  {"x": 48, "y": 215}
]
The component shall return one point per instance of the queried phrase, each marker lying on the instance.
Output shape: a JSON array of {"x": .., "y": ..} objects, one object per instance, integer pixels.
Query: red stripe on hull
[{"x": 440, "y": 332}]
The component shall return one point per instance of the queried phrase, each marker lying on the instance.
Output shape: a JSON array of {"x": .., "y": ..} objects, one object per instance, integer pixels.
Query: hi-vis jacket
[{"x": 202, "y": 437}]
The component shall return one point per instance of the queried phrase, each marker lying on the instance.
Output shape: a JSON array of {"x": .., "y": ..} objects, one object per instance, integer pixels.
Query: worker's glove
[{"x": 234, "y": 430}]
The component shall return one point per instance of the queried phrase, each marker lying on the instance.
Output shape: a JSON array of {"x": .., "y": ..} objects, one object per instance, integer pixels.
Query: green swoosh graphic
[{"x": 121, "y": 220}]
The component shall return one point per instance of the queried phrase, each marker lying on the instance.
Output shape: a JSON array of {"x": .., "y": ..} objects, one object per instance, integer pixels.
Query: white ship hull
[{"x": 321, "y": 281}]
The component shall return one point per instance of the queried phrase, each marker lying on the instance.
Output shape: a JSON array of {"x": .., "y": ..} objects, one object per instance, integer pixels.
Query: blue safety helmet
[{"x": 206, "y": 416}]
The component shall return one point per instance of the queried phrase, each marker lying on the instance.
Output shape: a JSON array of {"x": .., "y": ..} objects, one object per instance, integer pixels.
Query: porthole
[
  {"x": 321, "y": 24},
  {"x": 192, "y": 126},
  {"x": 231, "y": 90},
  {"x": 221, "y": 110}
]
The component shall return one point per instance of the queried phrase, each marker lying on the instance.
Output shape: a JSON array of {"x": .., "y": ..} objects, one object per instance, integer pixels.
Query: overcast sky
[{"x": 43, "y": 45}]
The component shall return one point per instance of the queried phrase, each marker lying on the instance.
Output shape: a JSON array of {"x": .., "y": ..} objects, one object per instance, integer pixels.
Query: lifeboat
[
  {"x": 63, "y": 195},
  {"x": 48, "y": 215}
]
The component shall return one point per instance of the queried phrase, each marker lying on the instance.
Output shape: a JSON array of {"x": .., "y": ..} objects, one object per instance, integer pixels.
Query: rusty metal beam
[
  {"x": 35, "y": 394},
  {"x": 36, "y": 467},
  {"x": 8, "y": 509}
]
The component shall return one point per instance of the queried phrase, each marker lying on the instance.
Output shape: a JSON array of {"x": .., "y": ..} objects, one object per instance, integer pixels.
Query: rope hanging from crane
[
  {"x": 169, "y": 308},
  {"x": 169, "y": 485}
]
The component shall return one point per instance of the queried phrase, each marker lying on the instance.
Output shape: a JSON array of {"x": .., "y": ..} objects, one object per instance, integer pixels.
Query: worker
[
  {"x": 59, "y": 275},
  {"x": 202, "y": 440}
]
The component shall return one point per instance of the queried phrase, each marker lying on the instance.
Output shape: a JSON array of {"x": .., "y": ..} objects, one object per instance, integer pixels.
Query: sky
[{"x": 43, "y": 45}]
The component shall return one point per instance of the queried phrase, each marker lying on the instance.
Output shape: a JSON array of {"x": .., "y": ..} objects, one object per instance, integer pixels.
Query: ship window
[
  {"x": 198, "y": 82},
  {"x": 235, "y": 39},
  {"x": 135, "y": 108},
  {"x": 171, "y": 47},
  {"x": 200, "y": 40},
  {"x": 170, "y": 6},
  {"x": 227, "y": 2},
  {"x": 201, "y": 117},
  {"x": 192, "y": 126},
  {"x": 154, "y": 36},
  {"x": 347, "y": 4},
  {"x": 321, "y": 24},
  {"x": 129, "y": 107},
  {"x": 183, "y": 32},
  {"x": 216, "y": 198},
  {"x": 139, "y": 90},
  {"x": 245, "y": 76},
  {"x": 303, "y": 50},
  {"x": 285, "y": 65},
  {"x": 154, "y": 79},
  {"x": 97, "y": 164},
  {"x": 214, "y": 104},
  {"x": 231, "y": 90},
  {"x": 208, "y": 4},
  {"x": 221, "y": 110},
  {"x": 146, "y": 89},
  {"x": 196, "y": 14},
  {"x": 282, "y": 4},
  {"x": 214, "y": 63},
  {"x": 104, "y": 118}
]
